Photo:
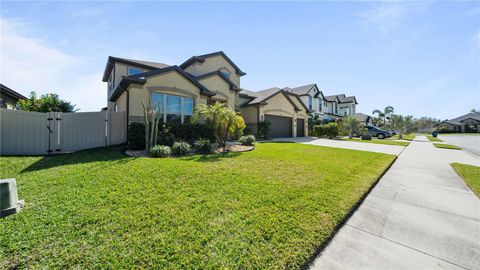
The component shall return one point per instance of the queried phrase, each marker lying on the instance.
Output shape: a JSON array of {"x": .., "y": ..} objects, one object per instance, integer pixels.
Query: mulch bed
[{"x": 233, "y": 148}]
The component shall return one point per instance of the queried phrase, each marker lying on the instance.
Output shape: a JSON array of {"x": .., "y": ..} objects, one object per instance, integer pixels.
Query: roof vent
[{"x": 9, "y": 203}]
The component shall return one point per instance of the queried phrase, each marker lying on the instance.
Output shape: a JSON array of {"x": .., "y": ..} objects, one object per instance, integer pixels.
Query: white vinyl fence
[{"x": 32, "y": 133}]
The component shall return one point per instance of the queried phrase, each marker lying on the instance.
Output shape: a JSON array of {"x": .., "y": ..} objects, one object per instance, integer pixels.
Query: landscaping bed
[{"x": 268, "y": 208}]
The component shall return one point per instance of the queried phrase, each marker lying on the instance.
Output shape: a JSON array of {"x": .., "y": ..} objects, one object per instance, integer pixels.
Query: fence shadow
[{"x": 112, "y": 155}]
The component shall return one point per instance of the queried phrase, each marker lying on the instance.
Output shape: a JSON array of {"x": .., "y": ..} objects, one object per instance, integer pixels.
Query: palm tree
[
  {"x": 352, "y": 125},
  {"x": 222, "y": 120},
  {"x": 385, "y": 113},
  {"x": 404, "y": 124}
]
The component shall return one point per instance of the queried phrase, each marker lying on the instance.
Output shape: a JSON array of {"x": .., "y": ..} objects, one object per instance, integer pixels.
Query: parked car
[{"x": 377, "y": 132}]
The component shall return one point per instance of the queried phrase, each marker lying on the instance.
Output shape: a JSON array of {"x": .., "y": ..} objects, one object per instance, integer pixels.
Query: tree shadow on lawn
[
  {"x": 112, "y": 155},
  {"x": 211, "y": 157}
]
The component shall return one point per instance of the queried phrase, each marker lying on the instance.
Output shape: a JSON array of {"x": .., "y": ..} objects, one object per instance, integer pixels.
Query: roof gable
[
  {"x": 232, "y": 86},
  {"x": 202, "y": 58},
  {"x": 8, "y": 91},
  {"x": 138, "y": 63}
]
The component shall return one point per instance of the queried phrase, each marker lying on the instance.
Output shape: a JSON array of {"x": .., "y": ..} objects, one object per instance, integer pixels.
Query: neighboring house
[
  {"x": 9, "y": 97},
  {"x": 363, "y": 118},
  {"x": 311, "y": 96},
  {"x": 202, "y": 79},
  {"x": 469, "y": 122},
  {"x": 338, "y": 106},
  {"x": 284, "y": 110}
]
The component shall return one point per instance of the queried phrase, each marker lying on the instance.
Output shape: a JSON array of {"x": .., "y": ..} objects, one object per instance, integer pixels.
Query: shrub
[
  {"x": 180, "y": 148},
  {"x": 247, "y": 140},
  {"x": 190, "y": 132},
  {"x": 136, "y": 136},
  {"x": 203, "y": 146},
  {"x": 330, "y": 130},
  {"x": 166, "y": 139},
  {"x": 160, "y": 151},
  {"x": 263, "y": 129}
]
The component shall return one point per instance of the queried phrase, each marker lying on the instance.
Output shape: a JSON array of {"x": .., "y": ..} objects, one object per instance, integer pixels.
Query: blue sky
[{"x": 423, "y": 58}]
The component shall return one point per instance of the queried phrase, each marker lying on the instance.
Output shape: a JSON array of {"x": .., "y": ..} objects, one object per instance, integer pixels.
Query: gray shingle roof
[
  {"x": 342, "y": 98},
  {"x": 458, "y": 120},
  {"x": 301, "y": 90},
  {"x": 260, "y": 96}
]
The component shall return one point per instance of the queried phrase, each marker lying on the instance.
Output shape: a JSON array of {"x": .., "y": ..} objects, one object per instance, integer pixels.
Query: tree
[
  {"x": 385, "y": 114},
  {"x": 352, "y": 126},
  {"x": 222, "y": 120},
  {"x": 404, "y": 124},
  {"x": 151, "y": 114},
  {"x": 45, "y": 103}
]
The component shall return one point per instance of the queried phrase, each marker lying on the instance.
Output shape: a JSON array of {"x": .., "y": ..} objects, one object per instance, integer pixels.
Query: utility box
[
  {"x": 367, "y": 137},
  {"x": 9, "y": 203}
]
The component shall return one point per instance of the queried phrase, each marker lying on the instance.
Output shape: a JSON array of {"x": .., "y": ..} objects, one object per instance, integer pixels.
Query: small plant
[
  {"x": 248, "y": 140},
  {"x": 161, "y": 151},
  {"x": 136, "y": 136},
  {"x": 203, "y": 146},
  {"x": 263, "y": 129},
  {"x": 180, "y": 148}
]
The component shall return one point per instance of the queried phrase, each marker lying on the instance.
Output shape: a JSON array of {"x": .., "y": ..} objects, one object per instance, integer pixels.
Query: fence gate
[{"x": 32, "y": 133}]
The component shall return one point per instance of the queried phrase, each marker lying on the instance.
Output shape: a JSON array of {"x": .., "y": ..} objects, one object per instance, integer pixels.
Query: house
[
  {"x": 469, "y": 122},
  {"x": 203, "y": 79},
  {"x": 284, "y": 110},
  {"x": 9, "y": 97},
  {"x": 338, "y": 106},
  {"x": 311, "y": 96},
  {"x": 363, "y": 118}
]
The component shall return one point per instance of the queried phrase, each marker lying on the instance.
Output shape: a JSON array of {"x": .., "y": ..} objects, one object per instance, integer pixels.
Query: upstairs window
[
  {"x": 310, "y": 102},
  {"x": 110, "y": 84},
  {"x": 319, "y": 105},
  {"x": 225, "y": 73},
  {"x": 133, "y": 71}
]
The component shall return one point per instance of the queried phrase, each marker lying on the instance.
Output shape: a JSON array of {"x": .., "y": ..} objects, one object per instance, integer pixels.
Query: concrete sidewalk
[
  {"x": 371, "y": 147},
  {"x": 420, "y": 215}
]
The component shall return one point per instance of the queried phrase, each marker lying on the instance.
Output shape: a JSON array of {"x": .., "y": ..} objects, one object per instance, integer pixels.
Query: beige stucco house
[
  {"x": 203, "y": 79},
  {"x": 9, "y": 97},
  {"x": 284, "y": 110}
]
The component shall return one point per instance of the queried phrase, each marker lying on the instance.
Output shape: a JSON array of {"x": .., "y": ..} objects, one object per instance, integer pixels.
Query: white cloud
[
  {"x": 384, "y": 17},
  {"x": 29, "y": 63}
]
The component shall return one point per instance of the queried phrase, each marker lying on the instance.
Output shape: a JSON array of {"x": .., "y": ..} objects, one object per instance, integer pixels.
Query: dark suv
[{"x": 379, "y": 133}]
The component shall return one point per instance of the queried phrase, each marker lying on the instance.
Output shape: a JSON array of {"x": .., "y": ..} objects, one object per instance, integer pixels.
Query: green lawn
[
  {"x": 388, "y": 142},
  {"x": 433, "y": 139},
  {"x": 407, "y": 137},
  {"x": 470, "y": 174},
  {"x": 446, "y": 146},
  {"x": 268, "y": 208}
]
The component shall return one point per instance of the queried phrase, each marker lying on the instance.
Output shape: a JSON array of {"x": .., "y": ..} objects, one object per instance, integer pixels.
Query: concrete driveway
[
  {"x": 372, "y": 147},
  {"x": 420, "y": 215},
  {"x": 470, "y": 143}
]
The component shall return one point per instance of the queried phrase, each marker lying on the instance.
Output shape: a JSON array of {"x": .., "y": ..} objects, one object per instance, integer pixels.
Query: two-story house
[
  {"x": 203, "y": 79},
  {"x": 312, "y": 97},
  {"x": 338, "y": 106},
  {"x": 9, "y": 97}
]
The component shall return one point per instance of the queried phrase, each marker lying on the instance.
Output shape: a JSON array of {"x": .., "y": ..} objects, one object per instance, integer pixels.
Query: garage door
[
  {"x": 281, "y": 126},
  {"x": 300, "y": 127}
]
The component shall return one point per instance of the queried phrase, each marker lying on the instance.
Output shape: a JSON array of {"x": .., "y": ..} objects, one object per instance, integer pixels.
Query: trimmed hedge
[
  {"x": 167, "y": 134},
  {"x": 180, "y": 148},
  {"x": 161, "y": 151},
  {"x": 330, "y": 130}
]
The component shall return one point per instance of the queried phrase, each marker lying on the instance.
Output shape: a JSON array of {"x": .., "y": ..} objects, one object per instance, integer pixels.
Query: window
[
  {"x": 174, "y": 109},
  {"x": 320, "y": 106},
  {"x": 115, "y": 108},
  {"x": 310, "y": 102},
  {"x": 336, "y": 108},
  {"x": 133, "y": 71},
  {"x": 225, "y": 73},
  {"x": 110, "y": 83}
]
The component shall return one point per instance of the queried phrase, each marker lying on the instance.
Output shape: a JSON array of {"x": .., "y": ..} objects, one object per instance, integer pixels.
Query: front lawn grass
[
  {"x": 470, "y": 174},
  {"x": 406, "y": 137},
  {"x": 446, "y": 146},
  {"x": 433, "y": 139},
  {"x": 378, "y": 141},
  {"x": 269, "y": 208}
]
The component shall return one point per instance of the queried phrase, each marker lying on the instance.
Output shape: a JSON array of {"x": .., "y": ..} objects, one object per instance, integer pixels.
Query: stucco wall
[
  {"x": 249, "y": 114},
  {"x": 212, "y": 64},
  {"x": 221, "y": 88},
  {"x": 167, "y": 83}
]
